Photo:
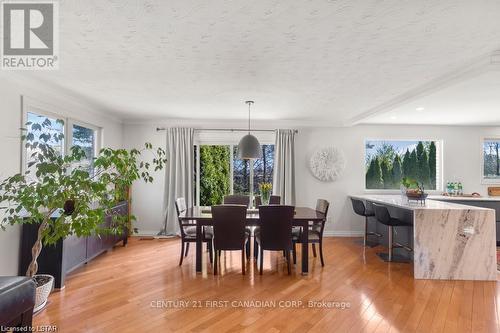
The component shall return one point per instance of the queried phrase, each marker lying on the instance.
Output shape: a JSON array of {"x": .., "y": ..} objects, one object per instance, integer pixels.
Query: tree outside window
[
  {"x": 84, "y": 138},
  {"x": 491, "y": 160},
  {"x": 214, "y": 174},
  {"x": 241, "y": 174},
  {"x": 263, "y": 168}
]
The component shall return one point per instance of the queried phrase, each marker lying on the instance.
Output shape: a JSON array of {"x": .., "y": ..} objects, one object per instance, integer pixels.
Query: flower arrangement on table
[{"x": 265, "y": 192}]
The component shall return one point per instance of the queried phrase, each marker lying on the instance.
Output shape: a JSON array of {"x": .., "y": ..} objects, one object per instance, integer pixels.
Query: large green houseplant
[{"x": 63, "y": 195}]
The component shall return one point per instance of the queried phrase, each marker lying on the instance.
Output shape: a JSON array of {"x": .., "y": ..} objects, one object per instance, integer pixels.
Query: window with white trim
[
  {"x": 75, "y": 134},
  {"x": 490, "y": 160},
  {"x": 387, "y": 162}
]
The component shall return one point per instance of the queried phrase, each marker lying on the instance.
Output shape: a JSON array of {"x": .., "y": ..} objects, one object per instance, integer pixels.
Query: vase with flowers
[{"x": 265, "y": 192}]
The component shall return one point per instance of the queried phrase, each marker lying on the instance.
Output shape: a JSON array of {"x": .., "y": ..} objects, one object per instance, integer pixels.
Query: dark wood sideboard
[{"x": 70, "y": 253}]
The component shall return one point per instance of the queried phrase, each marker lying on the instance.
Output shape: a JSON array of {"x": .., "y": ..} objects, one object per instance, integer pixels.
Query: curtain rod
[{"x": 227, "y": 129}]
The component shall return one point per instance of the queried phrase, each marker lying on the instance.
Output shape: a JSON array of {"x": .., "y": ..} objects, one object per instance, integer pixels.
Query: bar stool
[
  {"x": 383, "y": 216},
  {"x": 359, "y": 208}
]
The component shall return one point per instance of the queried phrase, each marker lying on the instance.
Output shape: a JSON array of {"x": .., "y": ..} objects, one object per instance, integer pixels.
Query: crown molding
[
  {"x": 227, "y": 123},
  {"x": 53, "y": 91},
  {"x": 477, "y": 66}
]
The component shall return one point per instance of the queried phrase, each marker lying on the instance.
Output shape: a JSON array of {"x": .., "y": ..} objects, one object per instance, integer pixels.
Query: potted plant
[
  {"x": 64, "y": 196},
  {"x": 413, "y": 190},
  {"x": 265, "y": 192}
]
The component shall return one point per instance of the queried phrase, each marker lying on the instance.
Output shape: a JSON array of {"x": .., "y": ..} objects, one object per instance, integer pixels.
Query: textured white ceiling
[
  {"x": 316, "y": 61},
  {"x": 474, "y": 101}
]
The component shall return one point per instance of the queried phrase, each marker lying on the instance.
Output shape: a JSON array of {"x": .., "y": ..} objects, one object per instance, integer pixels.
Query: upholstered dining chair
[
  {"x": 275, "y": 231},
  {"x": 315, "y": 232},
  {"x": 273, "y": 200},
  {"x": 188, "y": 232},
  {"x": 229, "y": 231},
  {"x": 237, "y": 199}
]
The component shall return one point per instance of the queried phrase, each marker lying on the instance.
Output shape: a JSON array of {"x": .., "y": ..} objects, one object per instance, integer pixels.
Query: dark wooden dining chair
[
  {"x": 275, "y": 231},
  {"x": 273, "y": 200},
  {"x": 188, "y": 232},
  {"x": 315, "y": 232},
  {"x": 237, "y": 199},
  {"x": 229, "y": 231}
]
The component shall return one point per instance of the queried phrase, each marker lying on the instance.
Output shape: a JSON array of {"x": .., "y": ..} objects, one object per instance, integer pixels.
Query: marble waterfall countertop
[
  {"x": 397, "y": 200},
  {"x": 451, "y": 241}
]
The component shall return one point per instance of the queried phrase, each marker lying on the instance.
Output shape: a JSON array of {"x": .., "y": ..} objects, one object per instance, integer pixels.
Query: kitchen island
[
  {"x": 485, "y": 202},
  {"x": 450, "y": 241}
]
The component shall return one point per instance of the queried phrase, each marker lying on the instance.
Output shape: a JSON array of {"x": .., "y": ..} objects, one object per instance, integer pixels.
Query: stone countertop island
[{"x": 451, "y": 241}]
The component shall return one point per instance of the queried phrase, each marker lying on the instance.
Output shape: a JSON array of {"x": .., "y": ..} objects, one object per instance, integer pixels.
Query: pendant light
[{"x": 249, "y": 147}]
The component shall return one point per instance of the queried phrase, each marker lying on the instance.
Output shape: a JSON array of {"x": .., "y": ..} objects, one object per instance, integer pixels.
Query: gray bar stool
[
  {"x": 359, "y": 208},
  {"x": 383, "y": 216}
]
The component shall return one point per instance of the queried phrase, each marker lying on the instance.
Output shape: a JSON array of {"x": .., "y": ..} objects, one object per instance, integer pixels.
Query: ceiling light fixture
[
  {"x": 249, "y": 147},
  {"x": 420, "y": 108}
]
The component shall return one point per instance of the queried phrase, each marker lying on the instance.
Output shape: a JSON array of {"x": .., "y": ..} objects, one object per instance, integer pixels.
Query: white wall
[
  {"x": 461, "y": 161},
  {"x": 147, "y": 199},
  {"x": 10, "y": 115}
]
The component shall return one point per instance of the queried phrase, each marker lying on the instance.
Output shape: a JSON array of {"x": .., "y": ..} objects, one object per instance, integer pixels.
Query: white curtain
[
  {"x": 179, "y": 174},
  {"x": 284, "y": 166}
]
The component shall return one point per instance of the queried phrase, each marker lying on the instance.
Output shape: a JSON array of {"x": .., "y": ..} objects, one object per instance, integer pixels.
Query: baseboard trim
[
  {"x": 148, "y": 233},
  {"x": 343, "y": 233}
]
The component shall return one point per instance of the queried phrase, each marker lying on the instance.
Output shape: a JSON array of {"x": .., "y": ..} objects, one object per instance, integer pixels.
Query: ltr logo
[{"x": 28, "y": 29}]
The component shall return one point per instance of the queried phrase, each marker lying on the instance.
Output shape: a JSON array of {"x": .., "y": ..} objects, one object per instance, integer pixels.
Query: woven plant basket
[{"x": 43, "y": 292}]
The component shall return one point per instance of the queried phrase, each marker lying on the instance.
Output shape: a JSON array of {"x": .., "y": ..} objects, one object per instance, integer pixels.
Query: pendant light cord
[
  {"x": 249, "y": 105},
  {"x": 249, "y": 118}
]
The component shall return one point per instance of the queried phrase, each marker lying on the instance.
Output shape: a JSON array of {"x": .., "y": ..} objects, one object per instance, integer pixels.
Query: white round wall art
[{"x": 327, "y": 164}]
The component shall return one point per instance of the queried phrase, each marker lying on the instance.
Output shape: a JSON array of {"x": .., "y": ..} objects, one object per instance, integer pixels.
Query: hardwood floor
[{"x": 128, "y": 289}]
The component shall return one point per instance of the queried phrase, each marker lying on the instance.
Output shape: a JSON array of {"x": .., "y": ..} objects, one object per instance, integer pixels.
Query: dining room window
[{"x": 219, "y": 172}]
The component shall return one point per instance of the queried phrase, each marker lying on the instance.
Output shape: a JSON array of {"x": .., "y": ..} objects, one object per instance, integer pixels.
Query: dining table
[{"x": 303, "y": 217}]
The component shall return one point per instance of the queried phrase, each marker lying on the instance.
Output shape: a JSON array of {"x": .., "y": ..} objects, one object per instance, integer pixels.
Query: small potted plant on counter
[
  {"x": 265, "y": 192},
  {"x": 413, "y": 190},
  {"x": 66, "y": 198}
]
